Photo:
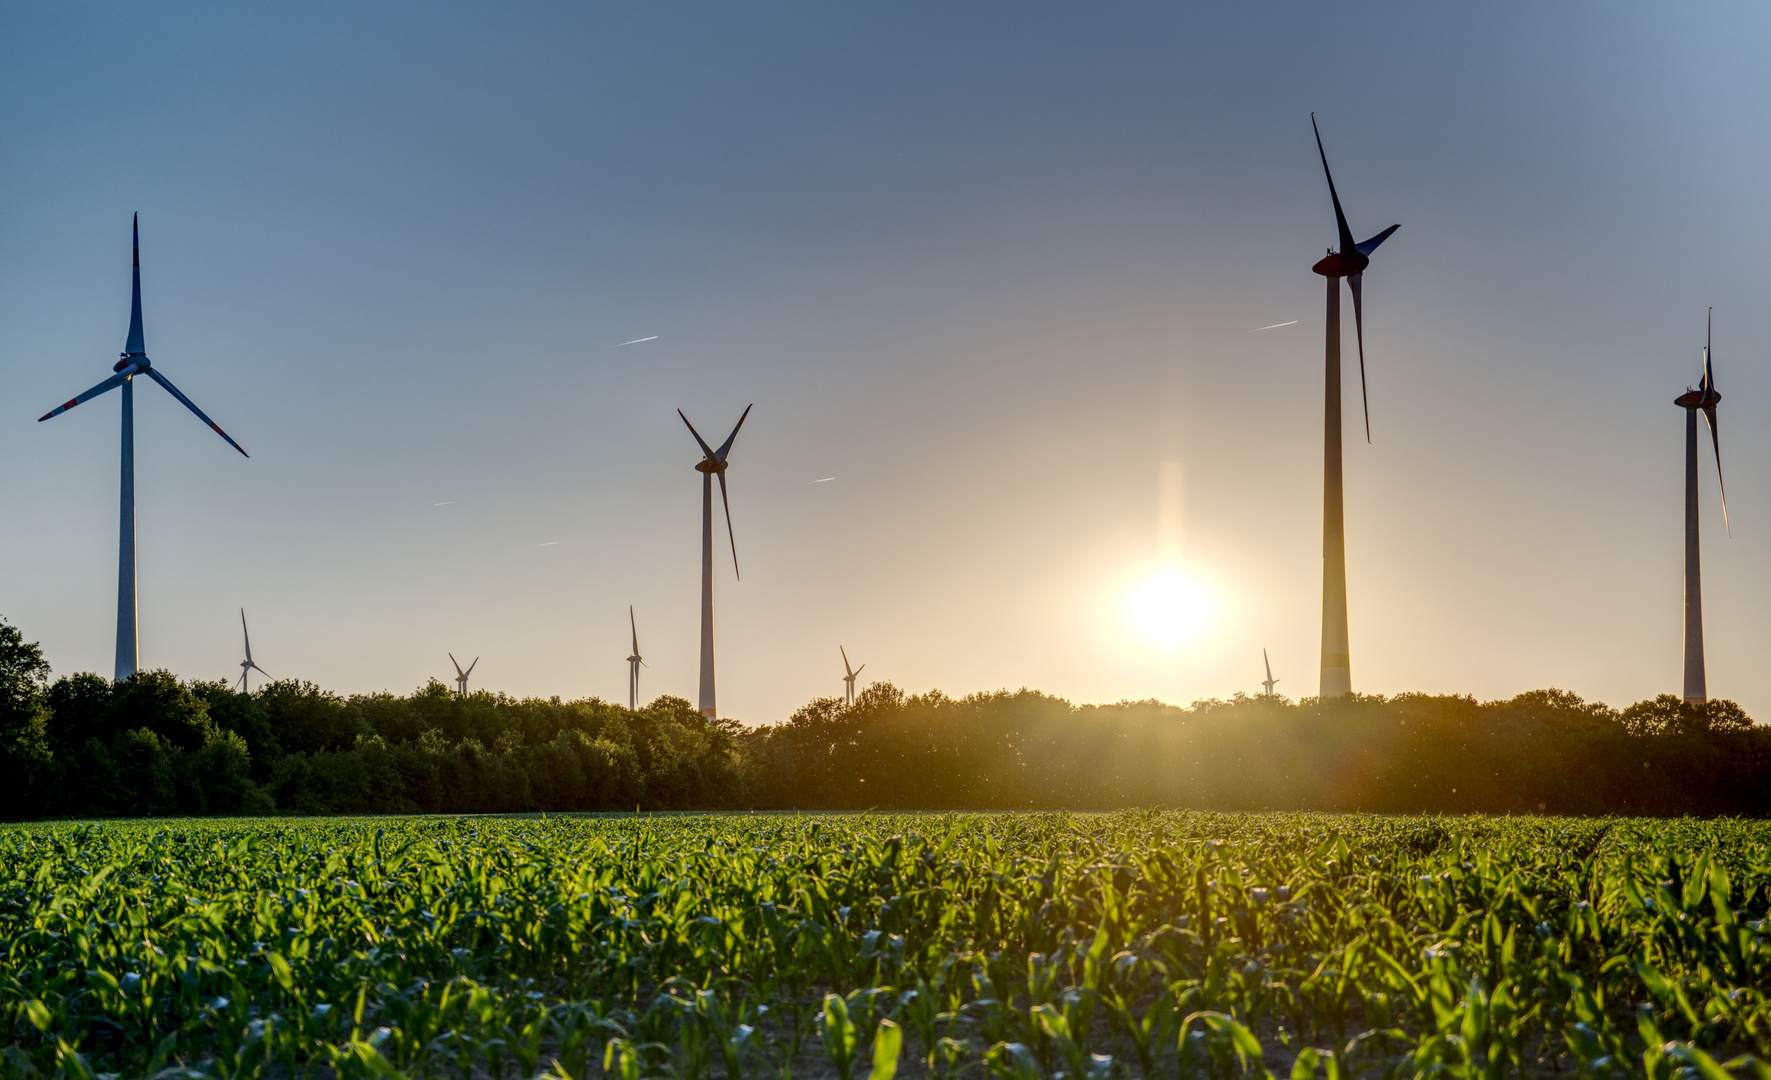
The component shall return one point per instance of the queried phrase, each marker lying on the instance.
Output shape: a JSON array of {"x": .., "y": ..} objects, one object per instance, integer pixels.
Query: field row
[{"x": 1015, "y": 946}]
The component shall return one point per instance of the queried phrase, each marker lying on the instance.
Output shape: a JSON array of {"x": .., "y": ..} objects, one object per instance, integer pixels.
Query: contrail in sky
[
  {"x": 550, "y": 543},
  {"x": 1275, "y": 326},
  {"x": 637, "y": 340},
  {"x": 451, "y": 502},
  {"x": 825, "y": 480}
]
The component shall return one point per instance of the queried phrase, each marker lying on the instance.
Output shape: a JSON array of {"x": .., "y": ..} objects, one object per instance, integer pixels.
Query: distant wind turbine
[
  {"x": 712, "y": 464},
  {"x": 1269, "y": 682},
  {"x": 1703, "y": 398},
  {"x": 248, "y": 665},
  {"x": 461, "y": 676},
  {"x": 133, "y": 362},
  {"x": 634, "y": 664},
  {"x": 853, "y": 673},
  {"x": 1350, "y": 263}
]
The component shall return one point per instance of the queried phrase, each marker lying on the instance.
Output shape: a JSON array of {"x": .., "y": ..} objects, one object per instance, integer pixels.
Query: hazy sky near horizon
[{"x": 993, "y": 267}]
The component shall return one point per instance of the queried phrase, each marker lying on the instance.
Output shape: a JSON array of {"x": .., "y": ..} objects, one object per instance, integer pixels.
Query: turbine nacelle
[
  {"x": 248, "y": 665},
  {"x": 1705, "y": 398},
  {"x": 1350, "y": 263},
  {"x": 134, "y": 361},
  {"x": 713, "y": 465},
  {"x": 460, "y": 675},
  {"x": 1335, "y": 264}
]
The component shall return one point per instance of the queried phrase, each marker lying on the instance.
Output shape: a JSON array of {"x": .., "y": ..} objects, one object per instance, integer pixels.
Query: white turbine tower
[
  {"x": 853, "y": 674},
  {"x": 1349, "y": 262},
  {"x": 248, "y": 665},
  {"x": 134, "y": 362},
  {"x": 461, "y": 676},
  {"x": 712, "y": 464},
  {"x": 634, "y": 663},
  {"x": 1703, "y": 399},
  {"x": 1269, "y": 682}
]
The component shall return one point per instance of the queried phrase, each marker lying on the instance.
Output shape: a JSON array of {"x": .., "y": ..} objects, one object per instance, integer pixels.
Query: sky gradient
[{"x": 993, "y": 267}]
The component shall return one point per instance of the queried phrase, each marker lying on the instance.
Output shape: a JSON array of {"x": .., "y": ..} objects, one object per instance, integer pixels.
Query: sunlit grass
[{"x": 1142, "y": 944}]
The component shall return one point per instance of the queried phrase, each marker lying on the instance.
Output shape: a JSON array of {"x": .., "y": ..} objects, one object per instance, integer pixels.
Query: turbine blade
[
  {"x": 636, "y": 630},
  {"x": 727, "y": 503},
  {"x": 1709, "y": 413},
  {"x": 109, "y": 384},
  {"x": 470, "y": 667},
  {"x": 134, "y": 346},
  {"x": 859, "y": 670},
  {"x": 1710, "y": 398},
  {"x": 1370, "y": 246},
  {"x": 1356, "y": 282},
  {"x": 1267, "y": 662},
  {"x": 191, "y": 405},
  {"x": 705, "y": 449},
  {"x": 262, "y": 671},
  {"x": 845, "y": 661},
  {"x": 1707, "y": 382},
  {"x": 726, "y": 447},
  {"x": 1340, "y": 219},
  {"x": 247, "y": 634},
  {"x": 457, "y": 664}
]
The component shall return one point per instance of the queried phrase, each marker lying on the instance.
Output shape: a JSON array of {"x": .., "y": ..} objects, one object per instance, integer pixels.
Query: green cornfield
[{"x": 1012, "y": 946}]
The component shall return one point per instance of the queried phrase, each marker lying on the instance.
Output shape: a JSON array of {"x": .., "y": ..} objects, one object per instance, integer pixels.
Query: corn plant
[{"x": 1021, "y": 946}]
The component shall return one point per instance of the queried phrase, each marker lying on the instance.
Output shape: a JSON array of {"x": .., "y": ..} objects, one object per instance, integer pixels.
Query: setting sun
[{"x": 1167, "y": 608}]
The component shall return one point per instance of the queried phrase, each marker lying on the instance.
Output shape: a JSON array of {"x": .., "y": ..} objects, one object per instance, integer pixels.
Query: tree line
[{"x": 155, "y": 745}]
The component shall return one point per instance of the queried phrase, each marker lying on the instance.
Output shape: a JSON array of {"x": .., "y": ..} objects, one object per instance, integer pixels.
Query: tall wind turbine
[
  {"x": 134, "y": 362},
  {"x": 1703, "y": 398},
  {"x": 461, "y": 676},
  {"x": 1269, "y": 682},
  {"x": 248, "y": 665},
  {"x": 712, "y": 464},
  {"x": 1350, "y": 263},
  {"x": 633, "y": 664},
  {"x": 853, "y": 673}
]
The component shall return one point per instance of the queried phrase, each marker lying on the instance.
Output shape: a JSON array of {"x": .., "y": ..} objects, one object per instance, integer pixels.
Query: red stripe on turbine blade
[{"x": 231, "y": 442}]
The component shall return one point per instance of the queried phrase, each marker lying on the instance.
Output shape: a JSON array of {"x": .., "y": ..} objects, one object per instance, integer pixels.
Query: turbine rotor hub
[{"x": 707, "y": 465}]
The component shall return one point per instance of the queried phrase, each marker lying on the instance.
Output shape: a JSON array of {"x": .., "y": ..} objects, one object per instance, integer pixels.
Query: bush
[{"x": 153, "y": 745}]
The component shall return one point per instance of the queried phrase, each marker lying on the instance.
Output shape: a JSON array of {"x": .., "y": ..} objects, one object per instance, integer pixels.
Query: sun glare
[{"x": 1167, "y": 608}]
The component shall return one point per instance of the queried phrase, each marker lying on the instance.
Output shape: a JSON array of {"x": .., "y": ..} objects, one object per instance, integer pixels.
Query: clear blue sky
[{"x": 988, "y": 265}]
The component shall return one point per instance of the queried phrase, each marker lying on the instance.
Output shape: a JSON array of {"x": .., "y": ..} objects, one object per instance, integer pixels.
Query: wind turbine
[
  {"x": 1350, "y": 263},
  {"x": 1704, "y": 398},
  {"x": 134, "y": 362},
  {"x": 633, "y": 664},
  {"x": 461, "y": 676},
  {"x": 853, "y": 673},
  {"x": 1269, "y": 682},
  {"x": 248, "y": 665},
  {"x": 712, "y": 464}
]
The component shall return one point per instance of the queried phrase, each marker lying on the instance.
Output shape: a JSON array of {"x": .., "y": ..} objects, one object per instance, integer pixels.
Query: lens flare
[{"x": 1167, "y": 608}]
